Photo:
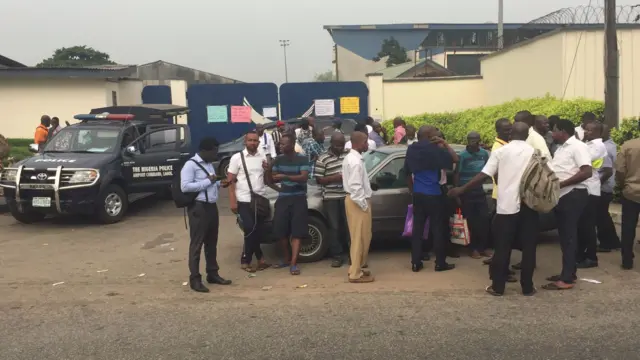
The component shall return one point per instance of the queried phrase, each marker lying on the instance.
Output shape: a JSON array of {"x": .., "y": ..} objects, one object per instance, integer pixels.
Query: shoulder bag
[{"x": 259, "y": 204}]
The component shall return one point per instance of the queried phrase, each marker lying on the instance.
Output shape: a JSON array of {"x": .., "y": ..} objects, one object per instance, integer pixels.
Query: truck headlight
[
  {"x": 83, "y": 176},
  {"x": 9, "y": 175}
]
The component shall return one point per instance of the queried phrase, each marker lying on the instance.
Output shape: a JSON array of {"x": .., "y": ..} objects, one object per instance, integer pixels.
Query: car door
[
  {"x": 390, "y": 197},
  {"x": 152, "y": 160}
]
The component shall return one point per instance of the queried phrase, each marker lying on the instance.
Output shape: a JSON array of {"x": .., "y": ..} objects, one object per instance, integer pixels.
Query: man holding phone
[{"x": 199, "y": 176}]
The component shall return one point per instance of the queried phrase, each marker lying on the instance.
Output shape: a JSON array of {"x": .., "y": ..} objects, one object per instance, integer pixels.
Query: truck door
[{"x": 152, "y": 160}]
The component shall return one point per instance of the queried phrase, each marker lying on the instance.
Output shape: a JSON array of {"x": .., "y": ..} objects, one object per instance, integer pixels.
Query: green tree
[
  {"x": 396, "y": 53},
  {"x": 326, "y": 76},
  {"x": 76, "y": 56}
]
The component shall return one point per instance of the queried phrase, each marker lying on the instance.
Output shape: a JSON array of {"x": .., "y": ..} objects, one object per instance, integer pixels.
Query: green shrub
[
  {"x": 456, "y": 125},
  {"x": 19, "y": 150}
]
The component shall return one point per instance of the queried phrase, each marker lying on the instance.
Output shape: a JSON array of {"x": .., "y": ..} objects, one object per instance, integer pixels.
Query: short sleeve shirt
[
  {"x": 471, "y": 163},
  {"x": 291, "y": 165}
]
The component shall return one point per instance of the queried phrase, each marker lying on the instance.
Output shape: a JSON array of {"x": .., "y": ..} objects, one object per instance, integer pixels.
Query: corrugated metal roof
[
  {"x": 5, "y": 61},
  {"x": 395, "y": 71},
  {"x": 108, "y": 67},
  {"x": 439, "y": 26},
  {"x": 67, "y": 72}
]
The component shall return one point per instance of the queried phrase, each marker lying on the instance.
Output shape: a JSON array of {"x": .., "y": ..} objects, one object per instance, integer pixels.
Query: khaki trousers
[{"x": 360, "y": 230}]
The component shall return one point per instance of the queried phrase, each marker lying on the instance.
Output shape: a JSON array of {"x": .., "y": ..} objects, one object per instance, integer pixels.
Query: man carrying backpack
[
  {"x": 514, "y": 218},
  {"x": 198, "y": 176}
]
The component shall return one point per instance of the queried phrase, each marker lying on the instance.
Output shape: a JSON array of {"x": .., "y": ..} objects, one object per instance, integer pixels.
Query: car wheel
[
  {"x": 112, "y": 205},
  {"x": 224, "y": 167},
  {"x": 28, "y": 217},
  {"x": 315, "y": 246}
]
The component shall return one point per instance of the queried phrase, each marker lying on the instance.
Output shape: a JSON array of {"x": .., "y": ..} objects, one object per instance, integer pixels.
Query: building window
[
  {"x": 114, "y": 98},
  {"x": 490, "y": 37},
  {"x": 440, "y": 39},
  {"x": 474, "y": 38}
]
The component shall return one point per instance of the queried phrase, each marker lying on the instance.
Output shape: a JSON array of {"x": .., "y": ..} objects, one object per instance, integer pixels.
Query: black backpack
[{"x": 182, "y": 199}]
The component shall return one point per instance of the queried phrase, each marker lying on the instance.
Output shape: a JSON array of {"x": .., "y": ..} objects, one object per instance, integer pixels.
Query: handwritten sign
[
  {"x": 270, "y": 112},
  {"x": 216, "y": 114},
  {"x": 350, "y": 105},
  {"x": 240, "y": 114},
  {"x": 324, "y": 107}
]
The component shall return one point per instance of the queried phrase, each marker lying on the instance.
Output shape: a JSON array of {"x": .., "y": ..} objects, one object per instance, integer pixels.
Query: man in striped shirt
[{"x": 328, "y": 173}]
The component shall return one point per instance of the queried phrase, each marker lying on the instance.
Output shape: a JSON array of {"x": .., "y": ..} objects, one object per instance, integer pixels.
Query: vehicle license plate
[{"x": 41, "y": 202}]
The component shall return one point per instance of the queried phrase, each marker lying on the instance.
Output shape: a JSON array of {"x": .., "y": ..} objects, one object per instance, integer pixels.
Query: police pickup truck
[{"x": 112, "y": 157}]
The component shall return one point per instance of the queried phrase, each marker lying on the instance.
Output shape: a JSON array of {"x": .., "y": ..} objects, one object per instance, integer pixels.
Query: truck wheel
[
  {"x": 27, "y": 217},
  {"x": 112, "y": 205},
  {"x": 315, "y": 246},
  {"x": 224, "y": 167}
]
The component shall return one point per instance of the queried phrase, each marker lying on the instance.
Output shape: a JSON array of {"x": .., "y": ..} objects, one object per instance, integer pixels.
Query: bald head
[
  {"x": 426, "y": 132},
  {"x": 45, "y": 120},
  {"x": 337, "y": 143},
  {"x": 520, "y": 131},
  {"x": 337, "y": 137},
  {"x": 359, "y": 141},
  {"x": 525, "y": 117}
]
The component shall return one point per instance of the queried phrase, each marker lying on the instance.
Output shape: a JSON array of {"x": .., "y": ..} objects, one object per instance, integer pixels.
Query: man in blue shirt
[
  {"x": 474, "y": 203},
  {"x": 290, "y": 218},
  {"x": 423, "y": 164},
  {"x": 199, "y": 176}
]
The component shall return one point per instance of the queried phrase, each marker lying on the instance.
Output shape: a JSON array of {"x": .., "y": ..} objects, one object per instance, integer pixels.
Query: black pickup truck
[{"x": 112, "y": 157}]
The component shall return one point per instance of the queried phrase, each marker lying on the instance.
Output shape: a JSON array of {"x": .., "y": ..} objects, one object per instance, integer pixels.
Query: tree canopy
[
  {"x": 77, "y": 56},
  {"x": 326, "y": 76},
  {"x": 396, "y": 53}
]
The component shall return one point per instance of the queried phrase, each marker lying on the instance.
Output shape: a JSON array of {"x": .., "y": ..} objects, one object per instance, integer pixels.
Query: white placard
[
  {"x": 270, "y": 112},
  {"x": 324, "y": 107}
]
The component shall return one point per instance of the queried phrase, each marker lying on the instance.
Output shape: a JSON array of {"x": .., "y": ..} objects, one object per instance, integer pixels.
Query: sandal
[
  {"x": 490, "y": 291},
  {"x": 554, "y": 286},
  {"x": 294, "y": 270},
  {"x": 263, "y": 266}
]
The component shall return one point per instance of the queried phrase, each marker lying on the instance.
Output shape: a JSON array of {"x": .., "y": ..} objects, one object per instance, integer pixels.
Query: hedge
[
  {"x": 456, "y": 125},
  {"x": 19, "y": 149}
]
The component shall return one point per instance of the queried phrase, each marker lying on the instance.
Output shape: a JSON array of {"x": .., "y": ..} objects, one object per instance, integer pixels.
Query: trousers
[
  {"x": 587, "y": 238},
  {"x": 568, "y": 212},
  {"x": 476, "y": 210},
  {"x": 360, "y": 232},
  {"x": 607, "y": 235},
  {"x": 428, "y": 207},
  {"x": 253, "y": 229},
  {"x": 338, "y": 226},
  {"x": 630, "y": 212},
  {"x": 203, "y": 232}
]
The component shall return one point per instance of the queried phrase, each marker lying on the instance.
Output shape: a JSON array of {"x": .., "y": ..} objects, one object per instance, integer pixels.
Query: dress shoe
[
  {"x": 587, "y": 264},
  {"x": 426, "y": 257},
  {"x": 218, "y": 280},
  {"x": 530, "y": 293},
  {"x": 517, "y": 266},
  {"x": 198, "y": 287},
  {"x": 337, "y": 262},
  {"x": 417, "y": 267},
  {"x": 627, "y": 265},
  {"x": 445, "y": 267},
  {"x": 487, "y": 261}
]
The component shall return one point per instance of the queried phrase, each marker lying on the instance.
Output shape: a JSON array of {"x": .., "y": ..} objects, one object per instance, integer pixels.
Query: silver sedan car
[{"x": 390, "y": 200}]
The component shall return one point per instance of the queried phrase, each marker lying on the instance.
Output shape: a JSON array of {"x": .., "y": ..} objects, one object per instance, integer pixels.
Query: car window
[
  {"x": 158, "y": 141},
  {"x": 392, "y": 175},
  {"x": 372, "y": 159}
]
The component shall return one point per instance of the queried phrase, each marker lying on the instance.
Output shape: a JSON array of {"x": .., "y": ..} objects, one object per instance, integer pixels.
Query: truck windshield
[{"x": 84, "y": 140}]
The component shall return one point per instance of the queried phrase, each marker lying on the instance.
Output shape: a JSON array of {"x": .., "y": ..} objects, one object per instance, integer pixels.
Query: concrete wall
[
  {"x": 565, "y": 64},
  {"x": 406, "y": 97},
  {"x": 24, "y": 101}
]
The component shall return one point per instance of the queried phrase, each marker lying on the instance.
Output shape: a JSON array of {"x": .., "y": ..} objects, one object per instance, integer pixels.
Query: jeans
[
  {"x": 630, "y": 212},
  {"x": 428, "y": 207},
  {"x": 587, "y": 238},
  {"x": 253, "y": 228},
  {"x": 476, "y": 211},
  {"x": 523, "y": 229},
  {"x": 607, "y": 234},
  {"x": 568, "y": 213},
  {"x": 338, "y": 226}
]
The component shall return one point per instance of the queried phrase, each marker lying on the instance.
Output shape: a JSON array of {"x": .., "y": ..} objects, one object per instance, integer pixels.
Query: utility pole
[
  {"x": 611, "y": 71},
  {"x": 500, "y": 24},
  {"x": 284, "y": 44}
]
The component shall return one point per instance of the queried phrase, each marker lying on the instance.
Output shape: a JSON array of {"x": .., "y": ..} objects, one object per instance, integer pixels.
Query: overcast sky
[{"x": 233, "y": 38}]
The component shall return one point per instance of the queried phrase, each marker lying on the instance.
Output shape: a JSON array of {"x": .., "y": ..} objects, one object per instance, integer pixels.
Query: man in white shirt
[
  {"x": 240, "y": 198},
  {"x": 587, "y": 239},
  {"x": 534, "y": 138},
  {"x": 363, "y": 129},
  {"x": 572, "y": 165},
  {"x": 355, "y": 182},
  {"x": 587, "y": 118},
  {"x": 515, "y": 220},
  {"x": 267, "y": 146}
]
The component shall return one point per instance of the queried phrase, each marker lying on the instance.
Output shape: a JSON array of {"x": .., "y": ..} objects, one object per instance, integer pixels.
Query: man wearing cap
[{"x": 277, "y": 135}]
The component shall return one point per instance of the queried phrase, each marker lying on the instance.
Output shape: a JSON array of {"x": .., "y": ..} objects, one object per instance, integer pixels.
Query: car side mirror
[
  {"x": 374, "y": 186},
  {"x": 33, "y": 148},
  {"x": 130, "y": 150}
]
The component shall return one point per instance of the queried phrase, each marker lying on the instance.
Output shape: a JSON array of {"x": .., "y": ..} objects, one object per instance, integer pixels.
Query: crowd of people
[{"x": 583, "y": 159}]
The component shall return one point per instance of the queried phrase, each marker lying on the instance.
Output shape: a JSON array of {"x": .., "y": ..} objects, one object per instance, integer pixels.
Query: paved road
[{"x": 119, "y": 314}]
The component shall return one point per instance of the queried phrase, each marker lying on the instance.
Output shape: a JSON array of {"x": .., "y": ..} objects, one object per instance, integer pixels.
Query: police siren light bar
[{"x": 104, "y": 116}]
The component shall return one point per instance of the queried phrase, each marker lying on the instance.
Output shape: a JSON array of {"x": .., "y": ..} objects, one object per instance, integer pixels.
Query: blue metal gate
[
  {"x": 297, "y": 99},
  {"x": 201, "y": 96}
]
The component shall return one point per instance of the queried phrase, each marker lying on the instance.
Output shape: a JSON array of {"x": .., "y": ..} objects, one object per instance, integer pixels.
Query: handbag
[
  {"x": 260, "y": 205},
  {"x": 459, "y": 229},
  {"x": 408, "y": 224}
]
